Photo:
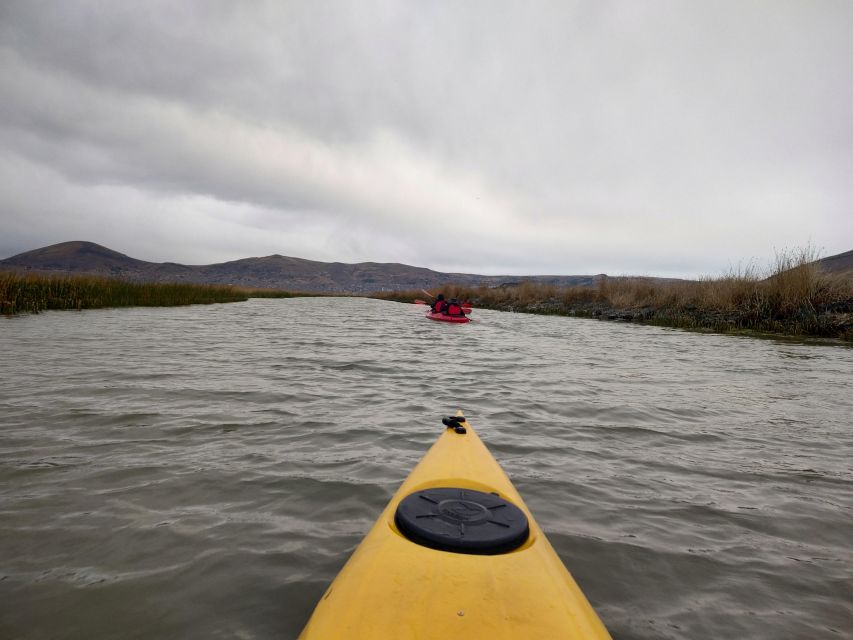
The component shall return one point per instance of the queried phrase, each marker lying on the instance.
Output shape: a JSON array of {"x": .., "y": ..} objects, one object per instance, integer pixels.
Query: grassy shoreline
[
  {"x": 30, "y": 293},
  {"x": 790, "y": 298}
]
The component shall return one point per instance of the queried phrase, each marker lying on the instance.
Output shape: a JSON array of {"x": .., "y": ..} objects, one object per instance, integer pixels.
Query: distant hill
[
  {"x": 290, "y": 274},
  {"x": 274, "y": 272},
  {"x": 841, "y": 263}
]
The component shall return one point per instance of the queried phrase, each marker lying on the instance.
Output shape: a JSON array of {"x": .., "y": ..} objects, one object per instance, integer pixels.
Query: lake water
[{"x": 204, "y": 472}]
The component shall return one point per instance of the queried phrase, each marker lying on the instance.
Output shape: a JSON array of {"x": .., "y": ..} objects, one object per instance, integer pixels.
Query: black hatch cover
[{"x": 462, "y": 521}]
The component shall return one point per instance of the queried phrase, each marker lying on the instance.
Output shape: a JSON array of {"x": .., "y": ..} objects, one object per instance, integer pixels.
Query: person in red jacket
[
  {"x": 440, "y": 304},
  {"x": 454, "y": 308}
]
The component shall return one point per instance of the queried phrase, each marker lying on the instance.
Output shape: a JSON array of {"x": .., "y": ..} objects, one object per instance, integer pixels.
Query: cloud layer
[{"x": 661, "y": 138}]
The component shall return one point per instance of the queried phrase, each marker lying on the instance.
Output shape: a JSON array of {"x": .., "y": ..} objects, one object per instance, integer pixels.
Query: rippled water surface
[{"x": 204, "y": 472}]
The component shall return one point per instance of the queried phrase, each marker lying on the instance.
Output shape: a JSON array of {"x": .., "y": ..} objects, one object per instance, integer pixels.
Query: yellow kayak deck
[{"x": 393, "y": 588}]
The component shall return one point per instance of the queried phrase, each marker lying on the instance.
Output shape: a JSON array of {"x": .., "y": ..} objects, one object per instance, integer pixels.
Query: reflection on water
[{"x": 205, "y": 471}]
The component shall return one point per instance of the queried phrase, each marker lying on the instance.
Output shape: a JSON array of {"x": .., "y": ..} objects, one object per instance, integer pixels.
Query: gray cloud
[{"x": 664, "y": 138}]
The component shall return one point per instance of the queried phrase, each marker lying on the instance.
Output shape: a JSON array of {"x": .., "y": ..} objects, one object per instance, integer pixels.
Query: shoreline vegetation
[
  {"x": 32, "y": 293},
  {"x": 792, "y": 297}
]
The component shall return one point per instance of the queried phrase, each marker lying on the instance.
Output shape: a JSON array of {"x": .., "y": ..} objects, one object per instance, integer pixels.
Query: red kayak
[{"x": 443, "y": 317}]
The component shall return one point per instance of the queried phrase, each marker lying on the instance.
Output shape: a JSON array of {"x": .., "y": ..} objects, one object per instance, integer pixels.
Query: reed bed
[
  {"x": 33, "y": 293},
  {"x": 254, "y": 292},
  {"x": 792, "y": 296}
]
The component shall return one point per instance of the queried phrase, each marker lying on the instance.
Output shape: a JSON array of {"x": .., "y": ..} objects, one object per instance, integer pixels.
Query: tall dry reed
[
  {"x": 34, "y": 293},
  {"x": 791, "y": 295}
]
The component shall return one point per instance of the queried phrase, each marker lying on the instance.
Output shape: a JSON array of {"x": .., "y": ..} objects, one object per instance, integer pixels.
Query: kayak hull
[
  {"x": 443, "y": 317},
  {"x": 393, "y": 588}
]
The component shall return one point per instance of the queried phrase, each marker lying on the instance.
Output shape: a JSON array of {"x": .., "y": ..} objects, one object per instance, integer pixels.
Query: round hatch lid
[{"x": 462, "y": 521}]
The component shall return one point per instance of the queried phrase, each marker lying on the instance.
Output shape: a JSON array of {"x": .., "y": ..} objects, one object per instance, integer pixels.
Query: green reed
[{"x": 34, "y": 293}]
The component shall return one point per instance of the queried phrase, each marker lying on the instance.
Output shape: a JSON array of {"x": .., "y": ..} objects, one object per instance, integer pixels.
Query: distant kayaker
[{"x": 439, "y": 305}]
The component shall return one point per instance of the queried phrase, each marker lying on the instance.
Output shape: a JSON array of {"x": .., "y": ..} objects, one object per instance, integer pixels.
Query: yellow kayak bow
[{"x": 456, "y": 554}]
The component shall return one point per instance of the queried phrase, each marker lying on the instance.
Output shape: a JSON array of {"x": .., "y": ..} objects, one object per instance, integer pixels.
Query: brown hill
[
  {"x": 274, "y": 272},
  {"x": 841, "y": 263},
  {"x": 75, "y": 256}
]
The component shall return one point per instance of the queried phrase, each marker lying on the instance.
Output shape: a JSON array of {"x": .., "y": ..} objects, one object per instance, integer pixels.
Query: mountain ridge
[
  {"x": 273, "y": 272},
  {"x": 288, "y": 273}
]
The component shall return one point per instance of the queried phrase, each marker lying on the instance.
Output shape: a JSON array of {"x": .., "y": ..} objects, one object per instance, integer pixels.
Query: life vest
[
  {"x": 439, "y": 306},
  {"x": 455, "y": 309}
]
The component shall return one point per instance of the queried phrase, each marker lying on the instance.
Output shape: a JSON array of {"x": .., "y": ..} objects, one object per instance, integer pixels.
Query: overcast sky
[{"x": 672, "y": 138}]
